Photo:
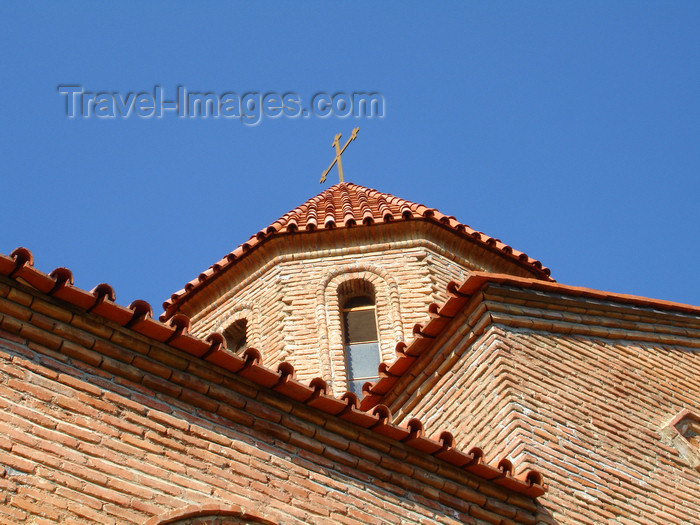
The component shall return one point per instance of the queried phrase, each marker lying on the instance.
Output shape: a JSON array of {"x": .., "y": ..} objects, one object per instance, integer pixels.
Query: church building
[{"x": 363, "y": 359}]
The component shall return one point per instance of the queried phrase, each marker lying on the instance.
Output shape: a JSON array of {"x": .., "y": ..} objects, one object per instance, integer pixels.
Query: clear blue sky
[{"x": 569, "y": 130}]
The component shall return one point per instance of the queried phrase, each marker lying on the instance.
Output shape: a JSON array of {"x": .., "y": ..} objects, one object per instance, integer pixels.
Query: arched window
[
  {"x": 237, "y": 336},
  {"x": 361, "y": 341}
]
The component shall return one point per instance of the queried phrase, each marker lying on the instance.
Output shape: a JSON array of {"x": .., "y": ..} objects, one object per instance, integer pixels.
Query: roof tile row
[
  {"x": 343, "y": 206},
  {"x": 138, "y": 317},
  {"x": 459, "y": 296}
]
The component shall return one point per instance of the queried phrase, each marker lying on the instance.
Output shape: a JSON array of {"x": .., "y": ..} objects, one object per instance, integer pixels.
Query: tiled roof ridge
[
  {"x": 459, "y": 296},
  {"x": 339, "y": 212},
  {"x": 138, "y": 317}
]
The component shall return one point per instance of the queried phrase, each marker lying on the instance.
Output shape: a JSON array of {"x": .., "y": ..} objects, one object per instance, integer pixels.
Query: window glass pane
[
  {"x": 363, "y": 360},
  {"x": 356, "y": 386},
  {"x": 354, "y": 302},
  {"x": 360, "y": 326}
]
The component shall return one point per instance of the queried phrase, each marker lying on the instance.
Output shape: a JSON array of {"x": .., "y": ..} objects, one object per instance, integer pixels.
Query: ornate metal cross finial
[{"x": 338, "y": 153}]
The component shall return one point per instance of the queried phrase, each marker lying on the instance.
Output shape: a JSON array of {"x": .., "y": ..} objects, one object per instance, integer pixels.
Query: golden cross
[{"x": 338, "y": 153}]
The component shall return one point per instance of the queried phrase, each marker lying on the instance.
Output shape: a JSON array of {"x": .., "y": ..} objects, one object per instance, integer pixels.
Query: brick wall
[
  {"x": 580, "y": 390},
  {"x": 291, "y": 291},
  {"x": 101, "y": 425}
]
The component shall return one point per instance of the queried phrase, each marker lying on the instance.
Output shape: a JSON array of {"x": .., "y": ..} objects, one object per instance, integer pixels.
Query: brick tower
[{"x": 284, "y": 290}]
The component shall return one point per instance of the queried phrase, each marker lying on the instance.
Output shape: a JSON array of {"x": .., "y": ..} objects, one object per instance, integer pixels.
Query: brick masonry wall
[
  {"x": 101, "y": 425},
  {"x": 586, "y": 410},
  {"x": 474, "y": 400},
  {"x": 591, "y": 412},
  {"x": 288, "y": 290},
  {"x": 295, "y": 306}
]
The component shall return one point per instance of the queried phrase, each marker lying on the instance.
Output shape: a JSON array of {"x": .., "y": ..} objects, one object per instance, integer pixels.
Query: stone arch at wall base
[
  {"x": 213, "y": 514},
  {"x": 389, "y": 326}
]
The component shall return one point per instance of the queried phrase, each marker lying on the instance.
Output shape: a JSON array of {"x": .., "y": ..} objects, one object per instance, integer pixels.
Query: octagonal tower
[{"x": 333, "y": 285}]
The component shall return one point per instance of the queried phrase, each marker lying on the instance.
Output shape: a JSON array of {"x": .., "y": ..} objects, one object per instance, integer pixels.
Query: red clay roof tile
[
  {"x": 460, "y": 295},
  {"x": 137, "y": 318},
  {"x": 347, "y": 205}
]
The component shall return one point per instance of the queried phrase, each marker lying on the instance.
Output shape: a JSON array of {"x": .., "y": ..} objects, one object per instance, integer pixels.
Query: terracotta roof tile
[
  {"x": 460, "y": 295},
  {"x": 346, "y": 205},
  {"x": 138, "y": 317}
]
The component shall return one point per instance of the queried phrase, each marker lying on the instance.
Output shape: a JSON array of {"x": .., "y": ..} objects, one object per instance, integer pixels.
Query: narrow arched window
[
  {"x": 237, "y": 336},
  {"x": 361, "y": 342}
]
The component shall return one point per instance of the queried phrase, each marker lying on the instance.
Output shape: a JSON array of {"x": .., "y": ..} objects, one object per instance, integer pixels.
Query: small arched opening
[{"x": 237, "y": 336}]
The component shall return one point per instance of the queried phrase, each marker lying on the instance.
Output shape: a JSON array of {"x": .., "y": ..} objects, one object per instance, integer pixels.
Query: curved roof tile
[
  {"x": 424, "y": 336},
  {"x": 137, "y": 317},
  {"x": 348, "y": 205}
]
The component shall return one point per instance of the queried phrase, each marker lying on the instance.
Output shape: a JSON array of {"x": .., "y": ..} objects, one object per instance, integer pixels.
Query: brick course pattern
[
  {"x": 299, "y": 303},
  {"x": 289, "y": 290}
]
